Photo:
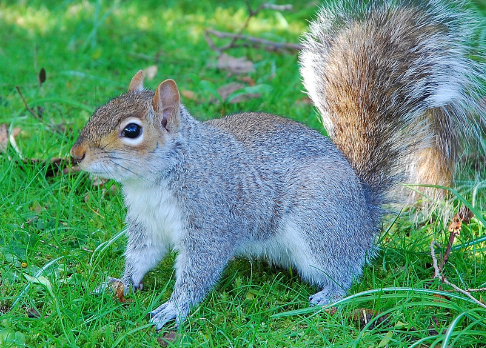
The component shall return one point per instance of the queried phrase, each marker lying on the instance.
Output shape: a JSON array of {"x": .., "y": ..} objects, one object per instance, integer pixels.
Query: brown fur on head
[{"x": 133, "y": 124}]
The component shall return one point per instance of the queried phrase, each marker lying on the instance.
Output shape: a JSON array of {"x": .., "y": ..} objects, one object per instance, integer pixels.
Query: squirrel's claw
[
  {"x": 326, "y": 296},
  {"x": 163, "y": 314}
]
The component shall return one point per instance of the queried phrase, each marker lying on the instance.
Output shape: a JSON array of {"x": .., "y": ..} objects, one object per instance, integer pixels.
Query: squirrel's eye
[{"x": 132, "y": 131}]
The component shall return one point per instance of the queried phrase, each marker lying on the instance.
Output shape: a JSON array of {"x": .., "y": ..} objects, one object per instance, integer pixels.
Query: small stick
[
  {"x": 254, "y": 41},
  {"x": 444, "y": 280},
  {"x": 452, "y": 236},
  {"x": 273, "y": 46},
  {"x": 25, "y": 103},
  {"x": 471, "y": 290}
]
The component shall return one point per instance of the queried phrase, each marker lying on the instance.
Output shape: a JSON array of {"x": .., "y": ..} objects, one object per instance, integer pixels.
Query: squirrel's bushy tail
[{"x": 396, "y": 88}]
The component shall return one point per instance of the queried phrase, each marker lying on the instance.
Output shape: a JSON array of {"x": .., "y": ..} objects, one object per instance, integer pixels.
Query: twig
[
  {"x": 434, "y": 259},
  {"x": 443, "y": 279},
  {"x": 266, "y": 6},
  {"x": 271, "y": 45},
  {"x": 452, "y": 236},
  {"x": 27, "y": 105},
  {"x": 471, "y": 290},
  {"x": 252, "y": 41}
]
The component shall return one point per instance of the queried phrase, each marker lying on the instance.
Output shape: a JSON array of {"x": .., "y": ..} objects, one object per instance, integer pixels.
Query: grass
[{"x": 65, "y": 232}]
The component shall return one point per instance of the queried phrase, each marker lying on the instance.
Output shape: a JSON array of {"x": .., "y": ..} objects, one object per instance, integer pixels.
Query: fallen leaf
[
  {"x": 456, "y": 225},
  {"x": 188, "y": 94},
  {"x": 465, "y": 214},
  {"x": 16, "y": 131},
  {"x": 226, "y": 90},
  {"x": 150, "y": 72},
  {"x": 248, "y": 80},
  {"x": 234, "y": 65},
  {"x": 97, "y": 181},
  {"x": 331, "y": 310},
  {"x": 3, "y": 138},
  {"x": 169, "y": 337},
  {"x": 363, "y": 316},
  {"x": 228, "y": 93},
  {"x": 119, "y": 291},
  {"x": 33, "y": 313},
  {"x": 111, "y": 191},
  {"x": 304, "y": 101},
  {"x": 441, "y": 297}
]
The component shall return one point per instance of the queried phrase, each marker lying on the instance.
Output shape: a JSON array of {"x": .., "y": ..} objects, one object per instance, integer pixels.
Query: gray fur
[{"x": 259, "y": 185}]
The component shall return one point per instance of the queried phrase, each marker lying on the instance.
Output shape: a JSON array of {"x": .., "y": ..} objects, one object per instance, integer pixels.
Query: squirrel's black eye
[{"x": 132, "y": 131}]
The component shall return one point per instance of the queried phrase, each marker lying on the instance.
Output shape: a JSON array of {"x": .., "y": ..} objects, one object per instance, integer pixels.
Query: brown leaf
[
  {"x": 363, "y": 316},
  {"x": 169, "y": 337},
  {"x": 119, "y": 291},
  {"x": 440, "y": 297},
  {"x": 33, "y": 313},
  {"x": 235, "y": 65},
  {"x": 456, "y": 225},
  {"x": 3, "y": 138},
  {"x": 304, "y": 101},
  {"x": 97, "y": 181},
  {"x": 16, "y": 131},
  {"x": 111, "y": 191},
  {"x": 188, "y": 94},
  {"x": 331, "y": 310},
  {"x": 150, "y": 72},
  {"x": 465, "y": 214},
  {"x": 248, "y": 80},
  {"x": 226, "y": 90}
]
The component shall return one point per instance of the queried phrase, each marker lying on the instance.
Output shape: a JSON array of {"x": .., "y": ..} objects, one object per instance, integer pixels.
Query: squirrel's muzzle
[{"x": 78, "y": 152}]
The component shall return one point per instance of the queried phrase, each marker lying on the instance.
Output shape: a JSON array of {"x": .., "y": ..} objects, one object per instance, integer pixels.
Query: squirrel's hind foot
[
  {"x": 163, "y": 314},
  {"x": 326, "y": 296}
]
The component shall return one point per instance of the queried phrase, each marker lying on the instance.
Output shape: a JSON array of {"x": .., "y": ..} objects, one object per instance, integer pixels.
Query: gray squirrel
[{"x": 394, "y": 87}]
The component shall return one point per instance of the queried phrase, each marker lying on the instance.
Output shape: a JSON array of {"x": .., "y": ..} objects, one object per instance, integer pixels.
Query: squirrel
[{"x": 393, "y": 83}]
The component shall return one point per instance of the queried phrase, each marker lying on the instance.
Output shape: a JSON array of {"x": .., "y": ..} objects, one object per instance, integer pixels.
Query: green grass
[{"x": 90, "y": 50}]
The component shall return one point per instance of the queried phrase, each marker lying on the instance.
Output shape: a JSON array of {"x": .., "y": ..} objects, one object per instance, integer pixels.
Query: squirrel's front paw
[{"x": 165, "y": 313}]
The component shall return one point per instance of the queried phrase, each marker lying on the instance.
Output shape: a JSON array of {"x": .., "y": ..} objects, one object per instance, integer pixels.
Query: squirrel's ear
[
  {"x": 166, "y": 105},
  {"x": 136, "y": 85}
]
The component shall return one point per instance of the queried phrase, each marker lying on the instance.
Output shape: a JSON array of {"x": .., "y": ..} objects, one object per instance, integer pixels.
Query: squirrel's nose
[{"x": 78, "y": 152}]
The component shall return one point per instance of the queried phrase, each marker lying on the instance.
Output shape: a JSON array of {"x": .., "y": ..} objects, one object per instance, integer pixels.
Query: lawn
[{"x": 61, "y": 233}]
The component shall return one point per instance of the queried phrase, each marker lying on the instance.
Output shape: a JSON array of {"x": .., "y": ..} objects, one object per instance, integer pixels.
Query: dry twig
[
  {"x": 438, "y": 274},
  {"x": 463, "y": 216},
  {"x": 27, "y": 105},
  {"x": 250, "y": 41}
]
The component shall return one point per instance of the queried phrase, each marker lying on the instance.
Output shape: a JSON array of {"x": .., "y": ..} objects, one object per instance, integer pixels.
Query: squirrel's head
[{"x": 122, "y": 135}]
